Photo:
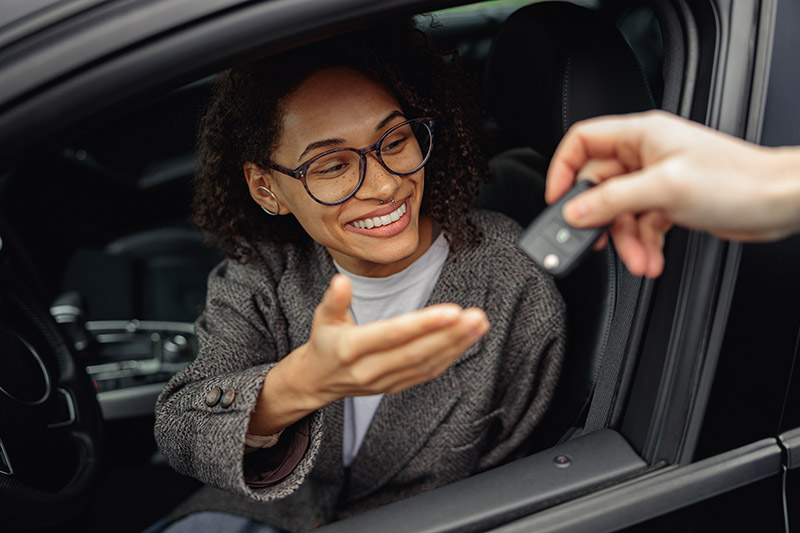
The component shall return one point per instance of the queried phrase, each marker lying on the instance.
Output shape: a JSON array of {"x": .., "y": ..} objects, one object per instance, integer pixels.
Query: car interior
[{"x": 103, "y": 214}]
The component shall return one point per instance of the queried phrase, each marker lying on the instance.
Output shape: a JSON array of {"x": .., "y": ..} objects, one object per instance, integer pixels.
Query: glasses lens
[
  {"x": 334, "y": 176},
  {"x": 405, "y": 148}
]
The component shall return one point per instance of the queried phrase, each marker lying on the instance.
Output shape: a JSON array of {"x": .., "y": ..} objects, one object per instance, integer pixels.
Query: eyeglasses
[{"x": 333, "y": 177}]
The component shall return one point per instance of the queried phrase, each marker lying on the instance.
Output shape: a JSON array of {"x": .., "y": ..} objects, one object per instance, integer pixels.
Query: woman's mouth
[{"x": 385, "y": 220}]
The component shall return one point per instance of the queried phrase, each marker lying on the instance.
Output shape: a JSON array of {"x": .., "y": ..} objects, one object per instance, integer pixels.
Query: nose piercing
[{"x": 382, "y": 201}]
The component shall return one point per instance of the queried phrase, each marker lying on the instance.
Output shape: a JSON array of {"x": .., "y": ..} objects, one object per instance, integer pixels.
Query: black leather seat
[
  {"x": 551, "y": 65},
  {"x": 157, "y": 274}
]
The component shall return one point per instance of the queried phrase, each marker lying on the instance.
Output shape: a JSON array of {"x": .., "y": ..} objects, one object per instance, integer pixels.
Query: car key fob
[{"x": 555, "y": 245}]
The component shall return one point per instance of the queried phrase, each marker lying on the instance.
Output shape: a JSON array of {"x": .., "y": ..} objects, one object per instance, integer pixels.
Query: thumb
[
  {"x": 632, "y": 193},
  {"x": 335, "y": 304}
]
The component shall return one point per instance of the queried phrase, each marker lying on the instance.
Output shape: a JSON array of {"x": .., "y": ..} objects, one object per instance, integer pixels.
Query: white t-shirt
[{"x": 379, "y": 298}]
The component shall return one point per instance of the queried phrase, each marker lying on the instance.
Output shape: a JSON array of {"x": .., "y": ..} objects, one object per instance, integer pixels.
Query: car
[{"x": 678, "y": 408}]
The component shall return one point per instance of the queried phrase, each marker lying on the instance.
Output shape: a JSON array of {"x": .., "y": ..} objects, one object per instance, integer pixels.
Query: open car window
[{"x": 95, "y": 193}]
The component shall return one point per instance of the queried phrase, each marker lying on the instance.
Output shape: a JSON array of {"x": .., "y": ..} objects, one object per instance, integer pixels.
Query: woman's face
[{"x": 340, "y": 107}]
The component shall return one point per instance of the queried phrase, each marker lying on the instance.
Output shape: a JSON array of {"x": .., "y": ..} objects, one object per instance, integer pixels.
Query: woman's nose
[{"x": 379, "y": 183}]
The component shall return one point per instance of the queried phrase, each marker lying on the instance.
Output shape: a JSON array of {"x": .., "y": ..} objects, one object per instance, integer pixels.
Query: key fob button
[{"x": 563, "y": 235}]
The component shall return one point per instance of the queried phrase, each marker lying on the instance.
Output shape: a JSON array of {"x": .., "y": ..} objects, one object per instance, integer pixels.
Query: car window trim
[
  {"x": 508, "y": 492},
  {"x": 658, "y": 493},
  {"x": 174, "y": 57}
]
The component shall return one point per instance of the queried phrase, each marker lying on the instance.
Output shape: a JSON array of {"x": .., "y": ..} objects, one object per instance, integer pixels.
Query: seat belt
[{"x": 607, "y": 386}]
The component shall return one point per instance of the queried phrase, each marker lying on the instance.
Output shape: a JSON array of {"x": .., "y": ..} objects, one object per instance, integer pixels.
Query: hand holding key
[{"x": 655, "y": 170}]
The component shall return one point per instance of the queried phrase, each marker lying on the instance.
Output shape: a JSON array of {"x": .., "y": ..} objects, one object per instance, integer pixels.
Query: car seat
[
  {"x": 551, "y": 65},
  {"x": 158, "y": 274}
]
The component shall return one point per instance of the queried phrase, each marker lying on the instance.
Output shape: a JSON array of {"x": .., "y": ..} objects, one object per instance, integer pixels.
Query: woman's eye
[
  {"x": 394, "y": 144},
  {"x": 329, "y": 170}
]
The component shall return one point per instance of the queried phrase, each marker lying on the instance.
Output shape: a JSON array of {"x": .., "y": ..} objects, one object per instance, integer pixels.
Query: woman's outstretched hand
[
  {"x": 342, "y": 359},
  {"x": 656, "y": 170}
]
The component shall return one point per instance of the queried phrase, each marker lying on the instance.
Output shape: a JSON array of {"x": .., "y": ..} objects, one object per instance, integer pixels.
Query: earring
[{"x": 267, "y": 211}]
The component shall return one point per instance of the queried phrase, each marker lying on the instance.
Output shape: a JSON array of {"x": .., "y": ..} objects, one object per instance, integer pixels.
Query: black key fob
[{"x": 555, "y": 245}]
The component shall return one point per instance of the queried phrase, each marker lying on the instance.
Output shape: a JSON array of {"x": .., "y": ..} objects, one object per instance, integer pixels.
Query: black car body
[{"x": 679, "y": 405}]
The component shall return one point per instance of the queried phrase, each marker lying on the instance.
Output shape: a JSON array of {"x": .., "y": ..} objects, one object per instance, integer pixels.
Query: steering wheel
[{"x": 50, "y": 421}]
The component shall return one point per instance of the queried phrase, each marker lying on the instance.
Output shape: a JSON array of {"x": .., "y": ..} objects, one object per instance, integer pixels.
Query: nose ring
[{"x": 382, "y": 201}]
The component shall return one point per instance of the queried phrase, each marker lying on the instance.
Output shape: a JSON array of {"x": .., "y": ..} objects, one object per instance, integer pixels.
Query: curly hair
[{"x": 244, "y": 118}]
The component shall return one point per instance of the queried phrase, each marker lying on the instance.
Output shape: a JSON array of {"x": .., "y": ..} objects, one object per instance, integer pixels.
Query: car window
[{"x": 111, "y": 201}]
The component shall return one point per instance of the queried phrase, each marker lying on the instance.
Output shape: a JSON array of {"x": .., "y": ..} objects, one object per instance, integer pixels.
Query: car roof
[
  {"x": 55, "y": 40},
  {"x": 22, "y": 17}
]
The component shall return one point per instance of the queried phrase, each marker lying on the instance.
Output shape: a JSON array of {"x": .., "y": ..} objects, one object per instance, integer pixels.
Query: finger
[
  {"x": 599, "y": 138},
  {"x": 444, "y": 344},
  {"x": 636, "y": 192},
  {"x": 560, "y": 178},
  {"x": 652, "y": 228},
  {"x": 385, "y": 334},
  {"x": 335, "y": 304},
  {"x": 598, "y": 170},
  {"x": 625, "y": 233},
  {"x": 601, "y": 242},
  {"x": 407, "y": 377},
  {"x": 423, "y": 357},
  {"x": 398, "y": 385}
]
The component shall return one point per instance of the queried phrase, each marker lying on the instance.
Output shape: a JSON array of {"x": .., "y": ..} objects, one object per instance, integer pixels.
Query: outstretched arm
[
  {"x": 656, "y": 170},
  {"x": 342, "y": 359}
]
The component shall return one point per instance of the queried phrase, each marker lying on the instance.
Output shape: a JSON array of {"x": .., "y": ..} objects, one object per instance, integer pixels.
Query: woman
[{"x": 318, "y": 395}]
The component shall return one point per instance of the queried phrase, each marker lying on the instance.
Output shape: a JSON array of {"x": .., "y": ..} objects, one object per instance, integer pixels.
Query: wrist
[
  {"x": 783, "y": 190},
  {"x": 284, "y": 398},
  {"x": 294, "y": 381}
]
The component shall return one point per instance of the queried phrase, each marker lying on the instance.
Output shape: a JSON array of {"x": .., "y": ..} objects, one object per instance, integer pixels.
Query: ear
[{"x": 256, "y": 177}]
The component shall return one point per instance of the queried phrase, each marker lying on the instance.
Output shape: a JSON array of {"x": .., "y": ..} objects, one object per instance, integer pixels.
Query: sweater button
[
  {"x": 228, "y": 397},
  {"x": 213, "y": 396}
]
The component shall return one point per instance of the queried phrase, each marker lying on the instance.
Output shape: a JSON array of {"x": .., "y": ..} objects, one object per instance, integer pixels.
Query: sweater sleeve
[{"x": 203, "y": 413}]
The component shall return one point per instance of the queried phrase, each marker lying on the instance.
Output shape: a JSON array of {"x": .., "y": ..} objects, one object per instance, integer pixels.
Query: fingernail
[
  {"x": 574, "y": 210},
  {"x": 478, "y": 329}
]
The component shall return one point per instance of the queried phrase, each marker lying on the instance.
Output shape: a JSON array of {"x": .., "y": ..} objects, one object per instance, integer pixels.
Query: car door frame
[{"x": 693, "y": 297}]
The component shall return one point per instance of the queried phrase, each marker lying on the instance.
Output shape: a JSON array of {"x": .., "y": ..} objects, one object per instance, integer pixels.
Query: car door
[
  {"x": 669, "y": 449},
  {"x": 709, "y": 408},
  {"x": 729, "y": 431}
]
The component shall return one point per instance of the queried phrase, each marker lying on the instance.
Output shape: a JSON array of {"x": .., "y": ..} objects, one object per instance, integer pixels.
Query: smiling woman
[
  {"x": 364, "y": 111},
  {"x": 251, "y": 111},
  {"x": 318, "y": 395}
]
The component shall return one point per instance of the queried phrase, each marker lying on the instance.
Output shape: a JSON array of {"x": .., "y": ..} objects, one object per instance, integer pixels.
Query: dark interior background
[{"x": 78, "y": 201}]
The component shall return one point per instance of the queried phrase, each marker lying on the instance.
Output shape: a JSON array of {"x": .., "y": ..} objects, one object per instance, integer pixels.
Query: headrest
[{"x": 553, "y": 64}]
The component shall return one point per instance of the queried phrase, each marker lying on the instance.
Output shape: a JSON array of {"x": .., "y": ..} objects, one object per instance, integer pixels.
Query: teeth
[{"x": 376, "y": 222}]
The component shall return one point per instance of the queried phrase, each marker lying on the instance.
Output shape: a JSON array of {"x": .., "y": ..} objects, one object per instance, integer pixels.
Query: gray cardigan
[{"x": 475, "y": 416}]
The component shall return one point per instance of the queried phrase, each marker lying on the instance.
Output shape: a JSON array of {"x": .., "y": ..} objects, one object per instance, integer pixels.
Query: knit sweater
[{"x": 475, "y": 416}]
